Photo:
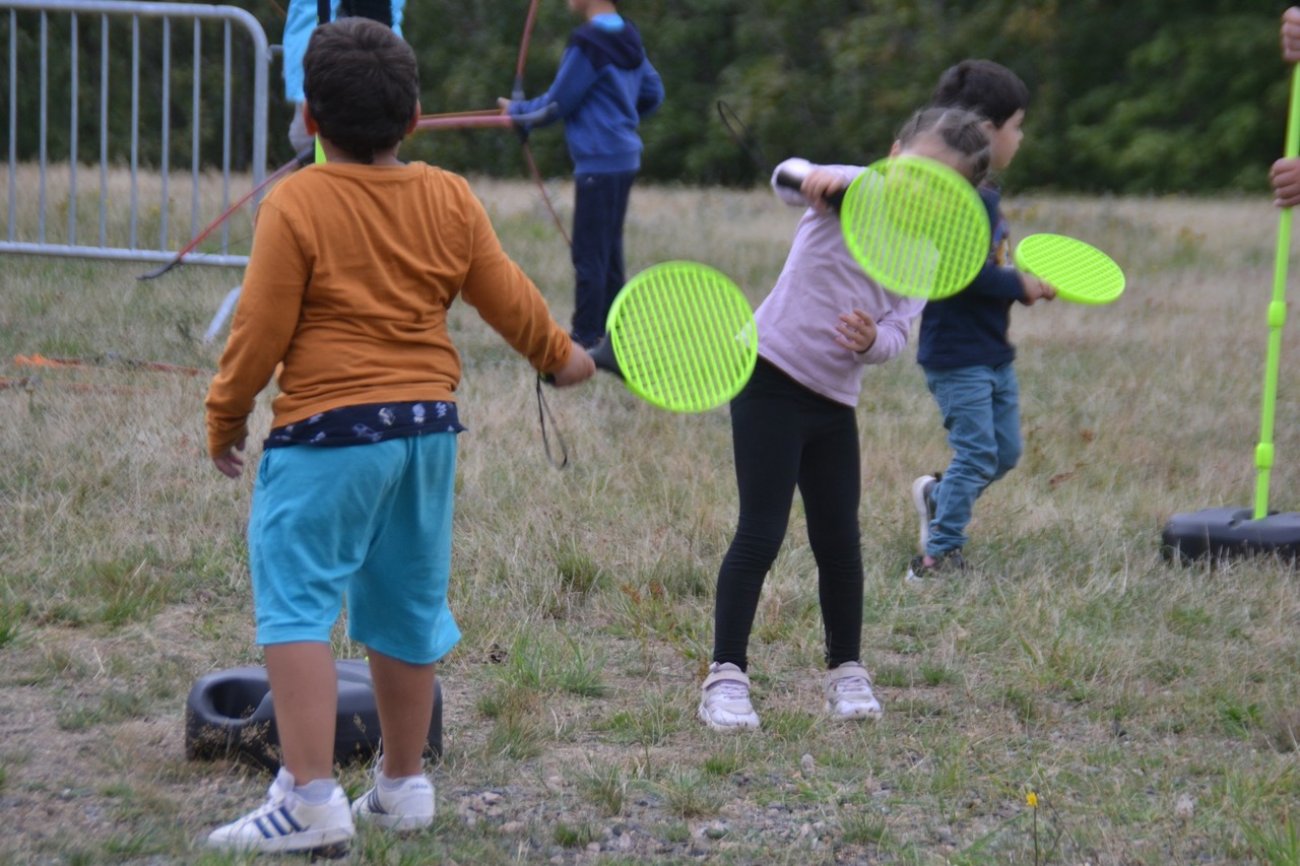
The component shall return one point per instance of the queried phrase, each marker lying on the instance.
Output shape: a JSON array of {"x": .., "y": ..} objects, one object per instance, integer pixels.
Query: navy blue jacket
[
  {"x": 970, "y": 328},
  {"x": 604, "y": 86}
]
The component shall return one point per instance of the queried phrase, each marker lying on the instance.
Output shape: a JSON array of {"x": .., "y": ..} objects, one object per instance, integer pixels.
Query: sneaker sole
[
  {"x": 327, "y": 844},
  {"x": 922, "y": 509},
  {"x": 869, "y": 715},
  {"x": 396, "y": 823},
  {"x": 724, "y": 729}
]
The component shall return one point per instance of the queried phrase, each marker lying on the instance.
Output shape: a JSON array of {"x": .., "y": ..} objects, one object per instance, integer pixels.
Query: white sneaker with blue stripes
[
  {"x": 396, "y": 804},
  {"x": 286, "y": 822}
]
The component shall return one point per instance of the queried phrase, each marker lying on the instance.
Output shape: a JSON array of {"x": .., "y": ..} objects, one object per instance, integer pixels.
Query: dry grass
[{"x": 1151, "y": 708}]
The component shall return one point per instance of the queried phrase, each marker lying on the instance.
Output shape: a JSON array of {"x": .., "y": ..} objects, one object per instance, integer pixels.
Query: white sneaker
[
  {"x": 724, "y": 699},
  {"x": 848, "y": 693},
  {"x": 409, "y": 806},
  {"x": 285, "y": 822},
  {"x": 923, "y": 502}
]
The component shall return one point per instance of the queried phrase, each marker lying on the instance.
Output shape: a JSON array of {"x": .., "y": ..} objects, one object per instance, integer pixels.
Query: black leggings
[{"x": 785, "y": 435}]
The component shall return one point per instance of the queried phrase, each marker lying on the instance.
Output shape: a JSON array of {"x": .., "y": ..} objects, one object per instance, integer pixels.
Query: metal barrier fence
[{"x": 45, "y": 210}]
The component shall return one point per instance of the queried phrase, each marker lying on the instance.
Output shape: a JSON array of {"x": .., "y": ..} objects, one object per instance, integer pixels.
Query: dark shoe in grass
[{"x": 946, "y": 565}]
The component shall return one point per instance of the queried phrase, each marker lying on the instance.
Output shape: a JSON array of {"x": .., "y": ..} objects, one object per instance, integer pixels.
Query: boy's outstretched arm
[{"x": 573, "y": 79}]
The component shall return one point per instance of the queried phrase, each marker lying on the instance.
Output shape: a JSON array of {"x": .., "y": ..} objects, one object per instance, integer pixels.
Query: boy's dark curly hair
[{"x": 362, "y": 85}]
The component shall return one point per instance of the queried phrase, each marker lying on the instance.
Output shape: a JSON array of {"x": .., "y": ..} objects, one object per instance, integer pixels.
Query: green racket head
[
  {"x": 684, "y": 336},
  {"x": 916, "y": 227},
  {"x": 1078, "y": 271}
]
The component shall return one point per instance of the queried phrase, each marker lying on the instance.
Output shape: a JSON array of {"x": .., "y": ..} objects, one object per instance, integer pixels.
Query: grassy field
[{"x": 1076, "y": 700}]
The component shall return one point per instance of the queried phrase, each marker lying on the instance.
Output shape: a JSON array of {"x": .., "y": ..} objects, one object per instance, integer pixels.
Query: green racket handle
[{"x": 793, "y": 180}]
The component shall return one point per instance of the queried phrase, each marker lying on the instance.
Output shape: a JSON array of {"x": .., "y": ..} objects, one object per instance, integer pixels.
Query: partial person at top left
[{"x": 300, "y": 20}]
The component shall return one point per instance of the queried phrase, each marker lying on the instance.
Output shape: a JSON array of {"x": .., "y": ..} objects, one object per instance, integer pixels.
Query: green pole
[{"x": 1276, "y": 316}]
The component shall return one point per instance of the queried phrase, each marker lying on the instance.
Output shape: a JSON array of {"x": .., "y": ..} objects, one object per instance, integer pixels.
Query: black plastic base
[
  {"x": 1220, "y": 533},
  {"x": 230, "y": 714}
]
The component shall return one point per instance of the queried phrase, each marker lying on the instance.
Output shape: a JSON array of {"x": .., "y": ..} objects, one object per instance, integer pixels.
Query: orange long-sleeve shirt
[{"x": 352, "y": 272}]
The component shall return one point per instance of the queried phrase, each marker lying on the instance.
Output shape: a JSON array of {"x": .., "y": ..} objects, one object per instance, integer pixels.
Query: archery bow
[
  {"x": 303, "y": 158},
  {"x": 516, "y": 94}
]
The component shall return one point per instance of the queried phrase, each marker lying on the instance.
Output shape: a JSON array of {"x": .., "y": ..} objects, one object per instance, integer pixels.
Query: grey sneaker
[
  {"x": 285, "y": 822},
  {"x": 950, "y": 563},
  {"x": 923, "y": 502},
  {"x": 848, "y": 693},
  {"x": 724, "y": 699}
]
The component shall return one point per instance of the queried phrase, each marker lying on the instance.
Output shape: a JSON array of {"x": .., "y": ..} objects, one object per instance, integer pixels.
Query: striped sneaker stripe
[{"x": 280, "y": 821}]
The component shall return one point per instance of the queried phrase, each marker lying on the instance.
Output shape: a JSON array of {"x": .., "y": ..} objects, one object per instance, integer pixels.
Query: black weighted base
[
  {"x": 231, "y": 714},
  {"x": 1220, "y": 533}
]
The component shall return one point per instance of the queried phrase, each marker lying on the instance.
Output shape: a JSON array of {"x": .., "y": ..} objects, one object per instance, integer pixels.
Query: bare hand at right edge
[
  {"x": 1035, "y": 290},
  {"x": 1285, "y": 177},
  {"x": 1291, "y": 35},
  {"x": 579, "y": 368},
  {"x": 230, "y": 463}
]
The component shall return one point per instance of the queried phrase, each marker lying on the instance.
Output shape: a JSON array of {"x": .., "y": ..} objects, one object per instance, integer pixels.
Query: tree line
[{"x": 1144, "y": 96}]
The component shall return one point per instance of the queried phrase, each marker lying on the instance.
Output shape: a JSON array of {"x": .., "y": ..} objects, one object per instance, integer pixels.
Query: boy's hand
[
  {"x": 503, "y": 104},
  {"x": 579, "y": 368},
  {"x": 819, "y": 184},
  {"x": 1035, "y": 290},
  {"x": 1285, "y": 176},
  {"x": 856, "y": 331},
  {"x": 231, "y": 464},
  {"x": 1291, "y": 35}
]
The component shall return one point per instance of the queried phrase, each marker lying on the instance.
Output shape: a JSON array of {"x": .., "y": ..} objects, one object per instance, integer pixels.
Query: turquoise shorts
[{"x": 371, "y": 523}]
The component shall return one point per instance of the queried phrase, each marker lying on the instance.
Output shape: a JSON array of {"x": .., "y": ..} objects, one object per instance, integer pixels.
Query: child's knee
[
  {"x": 982, "y": 463},
  {"x": 1008, "y": 458}
]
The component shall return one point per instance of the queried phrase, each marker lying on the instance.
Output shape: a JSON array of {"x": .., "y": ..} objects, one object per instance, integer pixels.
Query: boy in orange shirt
[{"x": 355, "y": 263}]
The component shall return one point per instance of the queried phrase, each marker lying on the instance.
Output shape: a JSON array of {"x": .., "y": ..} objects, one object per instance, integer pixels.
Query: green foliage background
[{"x": 1128, "y": 97}]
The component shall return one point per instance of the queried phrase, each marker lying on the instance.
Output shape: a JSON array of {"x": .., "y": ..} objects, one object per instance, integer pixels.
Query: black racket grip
[
  {"x": 790, "y": 180},
  {"x": 603, "y": 355}
]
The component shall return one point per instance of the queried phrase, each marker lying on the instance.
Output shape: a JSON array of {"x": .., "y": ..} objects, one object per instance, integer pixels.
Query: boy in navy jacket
[
  {"x": 604, "y": 87},
  {"x": 964, "y": 347}
]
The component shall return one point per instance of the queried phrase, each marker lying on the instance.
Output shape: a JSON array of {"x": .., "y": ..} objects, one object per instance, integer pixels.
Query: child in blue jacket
[
  {"x": 604, "y": 86},
  {"x": 300, "y": 20}
]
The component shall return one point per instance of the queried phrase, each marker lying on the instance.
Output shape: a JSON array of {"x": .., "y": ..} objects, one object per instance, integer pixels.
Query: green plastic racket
[
  {"x": 1077, "y": 270},
  {"x": 914, "y": 225},
  {"x": 682, "y": 336}
]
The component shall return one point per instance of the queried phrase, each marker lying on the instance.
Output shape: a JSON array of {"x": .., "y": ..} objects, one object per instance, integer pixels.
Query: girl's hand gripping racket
[
  {"x": 682, "y": 336},
  {"x": 1078, "y": 271},
  {"x": 914, "y": 225}
]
